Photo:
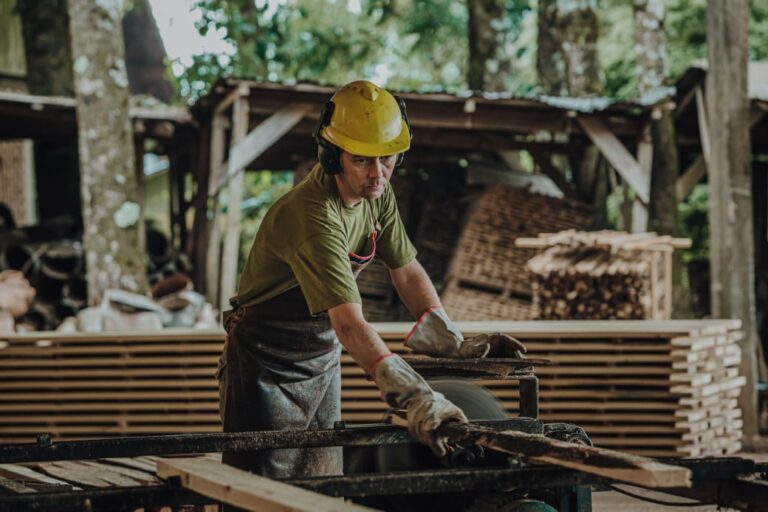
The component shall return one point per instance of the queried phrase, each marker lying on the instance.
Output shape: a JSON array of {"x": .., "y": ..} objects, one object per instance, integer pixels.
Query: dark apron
[{"x": 280, "y": 370}]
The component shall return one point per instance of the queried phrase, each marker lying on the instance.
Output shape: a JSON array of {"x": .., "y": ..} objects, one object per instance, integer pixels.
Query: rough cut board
[{"x": 248, "y": 491}]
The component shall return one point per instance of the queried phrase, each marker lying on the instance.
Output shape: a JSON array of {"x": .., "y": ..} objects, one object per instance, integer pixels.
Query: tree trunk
[
  {"x": 578, "y": 28},
  {"x": 113, "y": 236},
  {"x": 45, "y": 25},
  {"x": 651, "y": 57},
  {"x": 549, "y": 57},
  {"x": 650, "y": 44},
  {"x": 730, "y": 186},
  {"x": 488, "y": 62}
]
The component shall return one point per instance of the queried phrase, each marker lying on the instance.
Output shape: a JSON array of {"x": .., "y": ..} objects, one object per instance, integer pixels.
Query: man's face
[{"x": 364, "y": 177}]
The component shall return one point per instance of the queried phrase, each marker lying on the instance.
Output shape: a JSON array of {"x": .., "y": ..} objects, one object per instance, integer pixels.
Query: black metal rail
[{"x": 362, "y": 435}]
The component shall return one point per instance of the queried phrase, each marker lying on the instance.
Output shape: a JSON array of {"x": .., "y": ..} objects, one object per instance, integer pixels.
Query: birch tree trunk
[
  {"x": 549, "y": 58},
  {"x": 578, "y": 28},
  {"x": 488, "y": 62},
  {"x": 730, "y": 187},
  {"x": 651, "y": 57},
  {"x": 113, "y": 237}
]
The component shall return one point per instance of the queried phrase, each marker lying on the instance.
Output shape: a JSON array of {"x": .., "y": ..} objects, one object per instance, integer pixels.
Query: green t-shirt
[{"x": 304, "y": 241}]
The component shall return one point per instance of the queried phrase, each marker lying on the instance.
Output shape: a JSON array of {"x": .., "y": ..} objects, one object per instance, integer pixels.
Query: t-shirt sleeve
[
  {"x": 322, "y": 268},
  {"x": 394, "y": 247}
]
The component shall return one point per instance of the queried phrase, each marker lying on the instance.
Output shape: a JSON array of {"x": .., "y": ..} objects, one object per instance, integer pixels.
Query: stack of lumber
[
  {"x": 487, "y": 278},
  {"x": 660, "y": 388},
  {"x": 108, "y": 384},
  {"x": 602, "y": 275}
]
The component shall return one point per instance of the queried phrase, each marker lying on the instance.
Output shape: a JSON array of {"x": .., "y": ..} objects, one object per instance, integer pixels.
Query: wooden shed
[{"x": 253, "y": 125}]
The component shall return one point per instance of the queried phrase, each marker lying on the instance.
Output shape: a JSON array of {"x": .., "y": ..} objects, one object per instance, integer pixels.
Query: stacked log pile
[
  {"x": 661, "y": 388},
  {"x": 601, "y": 275},
  {"x": 487, "y": 278}
]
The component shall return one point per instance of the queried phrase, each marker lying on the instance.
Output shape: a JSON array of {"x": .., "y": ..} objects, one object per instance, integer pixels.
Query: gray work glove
[
  {"x": 425, "y": 408},
  {"x": 435, "y": 335}
]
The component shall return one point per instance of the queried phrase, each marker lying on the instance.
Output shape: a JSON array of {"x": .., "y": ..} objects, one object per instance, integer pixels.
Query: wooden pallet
[
  {"x": 486, "y": 278},
  {"x": 653, "y": 388},
  {"x": 601, "y": 274}
]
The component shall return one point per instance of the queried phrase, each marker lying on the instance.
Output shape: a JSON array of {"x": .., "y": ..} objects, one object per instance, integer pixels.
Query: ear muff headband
[{"x": 329, "y": 155}]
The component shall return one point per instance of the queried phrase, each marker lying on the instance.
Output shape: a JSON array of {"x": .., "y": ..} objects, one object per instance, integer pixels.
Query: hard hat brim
[{"x": 399, "y": 144}]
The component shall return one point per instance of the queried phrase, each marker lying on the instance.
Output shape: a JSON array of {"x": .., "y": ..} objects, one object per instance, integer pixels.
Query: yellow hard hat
[{"x": 366, "y": 120}]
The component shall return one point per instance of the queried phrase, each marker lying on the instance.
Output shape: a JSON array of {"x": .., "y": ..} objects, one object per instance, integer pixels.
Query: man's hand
[
  {"x": 435, "y": 335},
  {"x": 494, "y": 344},
  {"x": 425, "y": 408}
]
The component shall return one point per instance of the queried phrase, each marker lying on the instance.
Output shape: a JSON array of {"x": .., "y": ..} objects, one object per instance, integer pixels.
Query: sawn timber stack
[{"x": 655, "y": 388}]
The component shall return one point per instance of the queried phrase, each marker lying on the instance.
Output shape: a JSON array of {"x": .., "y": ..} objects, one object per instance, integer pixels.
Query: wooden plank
[
  {"x": 692, "y": 175},
  {"x": 112, "y": 395},
  {"x": 247, "y": 490},
  {"x": 617, "y": 154},
  {"x": 120, "y": 419},
  {"x": 87, "y": 474},
  {"x": 15, "y": 487},
  {"x": 258, "y": 140},
  {"x": 18, "y": 472},
  {"x": 56, "y": 406},
  {"x": 597, "y": 461},
  {"x": 120, "y": 349},
  {"x": 701, "y": 113}
]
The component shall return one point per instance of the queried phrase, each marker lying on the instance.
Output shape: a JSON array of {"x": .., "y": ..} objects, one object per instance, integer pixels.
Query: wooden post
[
  {"x": 213, "y": 255},
  {"x": 645, "y": 159},
  {"x": 730, "y": 188},
  {"x": 198, "y": 248},
  {"x": 235, "y": 187}
]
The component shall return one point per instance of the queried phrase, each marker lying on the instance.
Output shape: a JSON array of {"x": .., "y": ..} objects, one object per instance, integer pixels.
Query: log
[
  {"x": 247, "y": 490},
  {"x": 536, "y": 448}
]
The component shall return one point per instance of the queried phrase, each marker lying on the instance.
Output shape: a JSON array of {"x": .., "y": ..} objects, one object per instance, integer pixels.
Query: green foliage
[
  {"x": 694, "y": 222},
  {"x": 262, "y": 189},
  {"x": 405, "y": 44}
]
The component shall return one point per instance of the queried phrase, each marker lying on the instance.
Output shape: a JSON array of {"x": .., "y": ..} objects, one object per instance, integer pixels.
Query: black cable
[{"x": 658, "y": 502}]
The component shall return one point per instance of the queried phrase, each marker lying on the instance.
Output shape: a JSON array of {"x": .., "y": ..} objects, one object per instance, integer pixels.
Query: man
[{"x": 298, "y": 298}]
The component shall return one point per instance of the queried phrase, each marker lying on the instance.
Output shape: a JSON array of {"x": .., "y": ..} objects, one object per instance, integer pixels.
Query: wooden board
[{"x": 247, "y": 490}]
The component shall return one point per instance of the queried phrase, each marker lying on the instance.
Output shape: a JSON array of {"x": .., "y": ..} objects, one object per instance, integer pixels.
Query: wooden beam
[
  {"x": 544, "y": 162},
  {"x": 257, "y": 141},
  {"x": 690, "y": 178},
  {"x": 247, "y": 490},
  {"x": 623, "y": 467},
  {"x": 236, "y": 187},
  {"x": 698, "y": 169},
  {"x": 214, "y": 237},
  {"x": 701, "y": 112},
  {"x": 645, "y": 159},
  {"x": 617, "y": 155}
]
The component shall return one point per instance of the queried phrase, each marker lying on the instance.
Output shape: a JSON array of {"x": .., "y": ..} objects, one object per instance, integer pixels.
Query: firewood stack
[
  {"x": 487, "y": 278},
  {"x": 607, "y": 275}
]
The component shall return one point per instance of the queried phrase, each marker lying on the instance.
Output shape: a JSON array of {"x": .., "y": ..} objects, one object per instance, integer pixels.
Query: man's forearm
[
  {"x": 360, "y": 340},
  {"x": 414, "y": 288}
]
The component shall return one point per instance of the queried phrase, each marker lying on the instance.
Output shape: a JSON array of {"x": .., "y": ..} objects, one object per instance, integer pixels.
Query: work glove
[
  {"x": 425, "y": 408},
  {"x": 435, "y": 335}
]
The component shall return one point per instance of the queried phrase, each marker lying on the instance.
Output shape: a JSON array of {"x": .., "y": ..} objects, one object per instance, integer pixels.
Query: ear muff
[
  {"x": 404, "y": 113},
  {"x": 329, "y": 155}
]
